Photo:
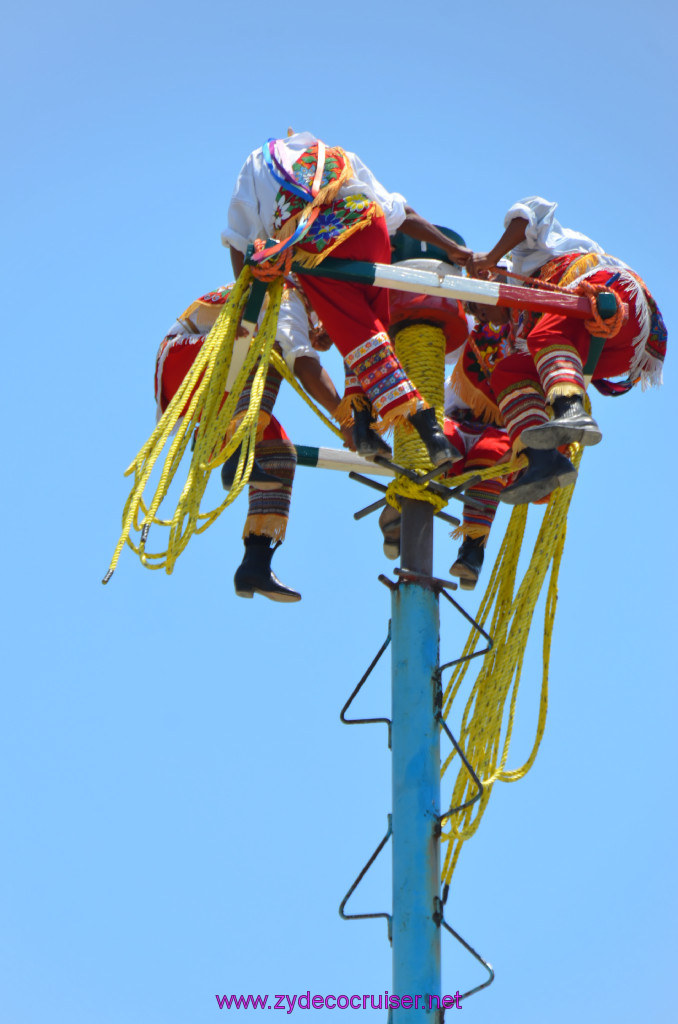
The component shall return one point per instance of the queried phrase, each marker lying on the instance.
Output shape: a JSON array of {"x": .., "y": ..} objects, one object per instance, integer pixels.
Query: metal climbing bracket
[
  {"x": 439, "y": 709},
  {"x": 356, "y": 883},
  {"x": 363, "y": 680},
  {"x": 429, "y": 582},
  {"x": 440, "y": 920},
  {"x": 382, "y": 844},
  {"x": 469, "y": 768},
  {"x": 476, "y": 626}
]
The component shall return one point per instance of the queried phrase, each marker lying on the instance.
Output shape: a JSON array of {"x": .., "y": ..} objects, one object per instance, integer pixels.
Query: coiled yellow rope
[
  {"x": 421, "y": 350},
  {"x": 490, "y": 708},
  {"x": 203, "y": 392}
]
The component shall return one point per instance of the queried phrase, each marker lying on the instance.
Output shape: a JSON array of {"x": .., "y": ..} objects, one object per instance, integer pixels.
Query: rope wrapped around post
[{"x": 420, "y": 348}]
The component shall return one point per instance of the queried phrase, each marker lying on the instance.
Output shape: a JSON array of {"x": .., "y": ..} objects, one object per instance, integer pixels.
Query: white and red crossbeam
[{"x": 453, "y": 286}]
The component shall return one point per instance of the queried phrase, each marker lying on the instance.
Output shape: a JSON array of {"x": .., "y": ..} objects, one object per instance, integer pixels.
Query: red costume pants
[
  {"x": 268, "y": 511},
  {"x": 481, "y": 446},
  {"x": 526, "y": 382},
  {"x": 356, "y": 317}
]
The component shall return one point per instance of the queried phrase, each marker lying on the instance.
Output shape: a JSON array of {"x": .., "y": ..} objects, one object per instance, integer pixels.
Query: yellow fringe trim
[
  {"x": 480, "y": 405},
  {"x": 204, "y": 307},
  {"x": 398, "y": 417},
  {"x": 325, "y": 195},
  {"x": 233, "y": 426},
  {"x": 473, "y": 532},
  {"x": 263, "y": 420},
  {"x": 579, "y": 267},
  {"x": 273, "y": 526},
  {"x": 344, "y": 412},
  {"x": 563, "y": 391},
  {"x": 313, "y": 259}
]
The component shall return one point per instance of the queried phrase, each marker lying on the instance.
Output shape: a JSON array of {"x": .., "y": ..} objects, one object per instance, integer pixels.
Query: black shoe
[
  {"x": 263, "y": 480},
  {"x": 366, "y": 440},
  {"x": 439, "y": 448},
  {"x": 255, "y": 576},
  {"x": 571, "y": 423},
  {"x": 469, "y": 562},
  {"x": 389, "y": 524},
  {"x": 546, "y": 471}
]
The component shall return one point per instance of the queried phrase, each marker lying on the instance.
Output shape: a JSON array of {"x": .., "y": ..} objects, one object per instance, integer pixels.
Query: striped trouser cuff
[
  {"x": 522, "y": 405},
  {"x": 560, "y": 371}
]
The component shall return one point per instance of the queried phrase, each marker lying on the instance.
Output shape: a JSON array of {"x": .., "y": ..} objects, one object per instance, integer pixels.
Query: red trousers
[
  {"x": 558, "y": 346},
  {"x": 356, "y": 318},
  {"x": 481, "y": 445},
  {"x": 350, "y": 312},
  {"x": 268, "y": 511}
]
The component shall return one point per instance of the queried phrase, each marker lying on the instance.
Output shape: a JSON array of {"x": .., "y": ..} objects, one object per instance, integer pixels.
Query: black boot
[
  {"x": 255, "y": 576},
  {"x": 263, "y": 480},
  {"x": 469, "y": 562},
  {"x": 366, "y": 440},
  {"x": 571, "y": 423},
  {"x": 546, "y": 471},
  {"x": 389, "y": 524},
  {"x": 439, "y": 448}
]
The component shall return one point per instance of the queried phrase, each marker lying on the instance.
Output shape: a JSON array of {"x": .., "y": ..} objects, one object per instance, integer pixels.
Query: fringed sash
[{"x": 308, "y": 214}]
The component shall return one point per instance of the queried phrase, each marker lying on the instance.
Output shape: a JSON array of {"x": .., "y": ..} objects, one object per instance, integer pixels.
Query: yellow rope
[
  {"x": 284, "y": 371},
  {"x": 490, "y": 473},
  {"x": 421, "y": 350},
  {"x": 489, "y": 711},
  {"x": 202, "y": 390}
]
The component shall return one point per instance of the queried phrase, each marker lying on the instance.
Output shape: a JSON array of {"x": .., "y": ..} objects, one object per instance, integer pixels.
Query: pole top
[{"x": 407, "y": 248}]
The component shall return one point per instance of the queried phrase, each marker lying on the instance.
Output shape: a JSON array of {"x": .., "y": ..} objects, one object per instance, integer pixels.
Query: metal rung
[
  {"x": 469, "y": 769},
  {"x": 362, "y": 917},
  {"x": 440, "y": 917},
  {"x": 476, "y": 626},
  {"x": 432, "y": 582},
  {"x": 452, "y": 520},
  {"x": 369, "y": 508},
  {"x": 427, "y": 480},
  {"x": 363, "y": 680},
  {"x": 439, "y": 704}
]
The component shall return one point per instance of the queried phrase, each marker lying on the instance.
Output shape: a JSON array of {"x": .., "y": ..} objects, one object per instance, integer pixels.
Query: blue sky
[{"x": 182, "y": 809}]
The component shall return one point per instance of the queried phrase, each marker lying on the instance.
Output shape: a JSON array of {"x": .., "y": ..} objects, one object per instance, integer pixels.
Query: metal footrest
[
  {"x": 440, "y": 918},
  {"x": 354, "y": 886},
  {"x": 363, "y": 680}
]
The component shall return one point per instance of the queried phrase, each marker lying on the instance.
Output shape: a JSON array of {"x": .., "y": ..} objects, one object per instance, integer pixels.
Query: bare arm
[
  {"x": 237, "y": 261},
  {"x": 316, "y": 380},
  {"x": 514, "y": 235},
  {"x": 418, "y": 227}
]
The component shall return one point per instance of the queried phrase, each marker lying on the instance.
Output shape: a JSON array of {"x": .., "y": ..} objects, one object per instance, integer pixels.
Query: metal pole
[{"x": 416, "y": 776}]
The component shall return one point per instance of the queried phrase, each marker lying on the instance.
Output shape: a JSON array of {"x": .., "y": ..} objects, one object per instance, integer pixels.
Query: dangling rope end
[{"x": 107, "y": 576}]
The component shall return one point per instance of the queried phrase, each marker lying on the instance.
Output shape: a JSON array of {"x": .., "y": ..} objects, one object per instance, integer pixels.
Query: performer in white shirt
[
  {"x": 549, "y": 371},
  {"x": 270, "y": 489},
  {"x": 316, "y": 200}
]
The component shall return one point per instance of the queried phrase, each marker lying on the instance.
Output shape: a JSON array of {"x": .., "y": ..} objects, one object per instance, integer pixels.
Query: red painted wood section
[{"x": 533, "y": 299}]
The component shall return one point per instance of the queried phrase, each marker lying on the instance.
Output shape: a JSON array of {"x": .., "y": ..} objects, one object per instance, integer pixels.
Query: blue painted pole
[{"x": 416, "y": 777}]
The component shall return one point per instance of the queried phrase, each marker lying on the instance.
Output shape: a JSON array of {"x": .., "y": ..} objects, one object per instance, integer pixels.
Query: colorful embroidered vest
[{"x": 333, "y": 219}]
